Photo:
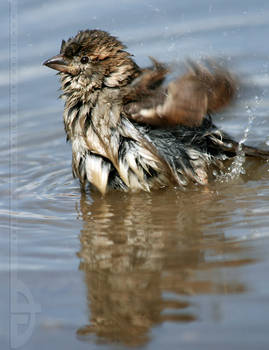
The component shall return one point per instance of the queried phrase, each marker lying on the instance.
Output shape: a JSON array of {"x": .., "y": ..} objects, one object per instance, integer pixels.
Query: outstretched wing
[{"x": 185, "y": 101}]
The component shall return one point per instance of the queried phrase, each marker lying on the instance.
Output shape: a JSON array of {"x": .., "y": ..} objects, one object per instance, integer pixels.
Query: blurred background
[{"x": 178, "y": 269}]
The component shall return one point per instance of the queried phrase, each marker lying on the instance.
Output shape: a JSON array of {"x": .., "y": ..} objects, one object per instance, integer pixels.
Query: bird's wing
[{"x": 185, "y": 101}]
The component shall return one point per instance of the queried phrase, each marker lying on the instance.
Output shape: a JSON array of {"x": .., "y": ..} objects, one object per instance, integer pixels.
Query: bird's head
[{"x": 93, "y": 59}]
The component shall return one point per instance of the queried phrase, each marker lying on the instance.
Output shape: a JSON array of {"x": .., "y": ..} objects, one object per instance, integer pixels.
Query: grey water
[{"x": 171, "y": 269}]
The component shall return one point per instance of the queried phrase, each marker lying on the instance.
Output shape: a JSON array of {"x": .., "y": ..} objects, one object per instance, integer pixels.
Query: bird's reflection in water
[{"x": 144, "y": 255}]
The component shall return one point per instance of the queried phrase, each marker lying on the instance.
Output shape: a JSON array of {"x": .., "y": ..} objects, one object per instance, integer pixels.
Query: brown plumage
[
  {"x": 128, "y": 130},
  {"x": 185, "y": 101}
]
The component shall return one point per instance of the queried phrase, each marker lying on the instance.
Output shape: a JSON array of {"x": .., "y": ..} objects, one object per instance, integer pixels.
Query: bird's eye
[{"x": 84, "y": 59}]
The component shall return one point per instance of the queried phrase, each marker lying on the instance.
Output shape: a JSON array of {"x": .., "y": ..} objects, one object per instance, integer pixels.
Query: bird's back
[{"x": 191, "y": 152}]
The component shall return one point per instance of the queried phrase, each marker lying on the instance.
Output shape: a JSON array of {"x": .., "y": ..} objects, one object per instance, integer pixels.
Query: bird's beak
[{"x": 59, "y": 63}]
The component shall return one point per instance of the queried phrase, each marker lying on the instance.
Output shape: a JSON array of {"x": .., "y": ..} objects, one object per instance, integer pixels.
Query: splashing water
[{"x": 237, "y": 167}]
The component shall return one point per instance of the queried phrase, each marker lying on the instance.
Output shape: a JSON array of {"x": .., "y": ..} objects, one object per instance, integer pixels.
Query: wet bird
[{"x": 131, "y": 132}]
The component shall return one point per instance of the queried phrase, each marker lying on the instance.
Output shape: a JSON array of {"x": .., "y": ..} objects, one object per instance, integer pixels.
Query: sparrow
[{"x": 131, "y": 132}]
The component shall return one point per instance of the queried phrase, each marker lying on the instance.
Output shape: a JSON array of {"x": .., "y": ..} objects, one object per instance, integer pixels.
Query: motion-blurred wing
[{"x": 185, "y": 101}]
